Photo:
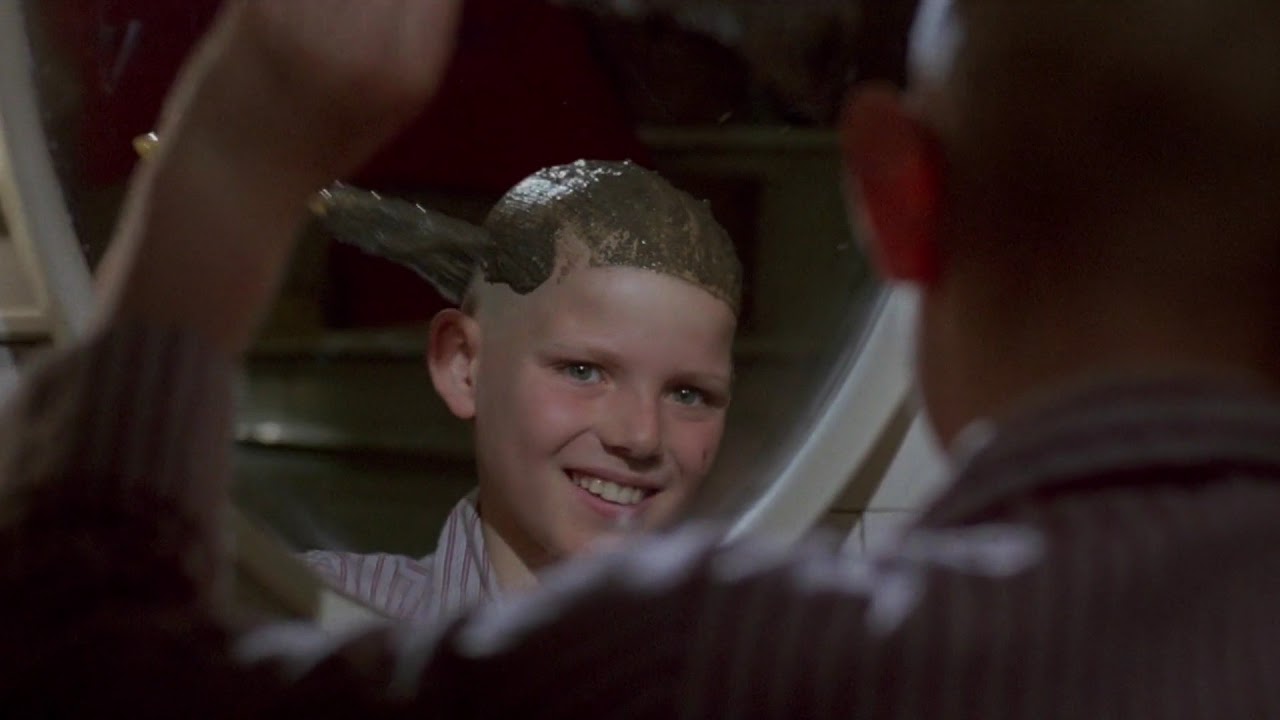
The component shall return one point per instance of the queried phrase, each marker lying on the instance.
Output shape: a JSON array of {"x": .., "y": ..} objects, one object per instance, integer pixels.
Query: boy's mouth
[{"x": 609, "y": 490}]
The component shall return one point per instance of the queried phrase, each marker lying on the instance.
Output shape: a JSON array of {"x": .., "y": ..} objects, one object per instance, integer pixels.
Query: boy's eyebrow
[
  {"x": 586, "y": 350},
  {"x": 719, "y": 387},
  {"x": 581, "y": 348},
  {"x": 720, "y": 381}
]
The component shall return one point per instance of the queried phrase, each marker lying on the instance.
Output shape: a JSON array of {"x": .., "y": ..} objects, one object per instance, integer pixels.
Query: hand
[
  {"x": 313, "y": 84},
  {"x": 281, "y": 97}
]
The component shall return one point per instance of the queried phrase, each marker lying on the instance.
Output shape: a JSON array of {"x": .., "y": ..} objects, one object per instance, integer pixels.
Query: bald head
[
  {"x": 587, "y": 214},
  {"x": 1061, "y": 113},
  {"x": 1080, "y": 189},
  {"x": 607, "y": 214}
]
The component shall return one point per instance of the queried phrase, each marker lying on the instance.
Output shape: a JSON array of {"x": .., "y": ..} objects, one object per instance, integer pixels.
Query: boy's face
[{"x": 600, "y": 401}]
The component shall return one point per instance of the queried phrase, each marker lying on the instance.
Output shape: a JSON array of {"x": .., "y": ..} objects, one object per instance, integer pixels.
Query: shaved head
[
  {"x": 1061, "y": 112},
  {"x": 607, "y": 214},
  {"x": 1078, "y": 188},
  {"x": 586, "y": 214}
]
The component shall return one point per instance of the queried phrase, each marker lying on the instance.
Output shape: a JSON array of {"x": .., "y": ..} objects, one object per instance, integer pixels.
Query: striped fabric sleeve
[
  {"x": 121, "y": 441},
  {"x": 675, "y": 627},
  {"x": 392, "y": 584}
]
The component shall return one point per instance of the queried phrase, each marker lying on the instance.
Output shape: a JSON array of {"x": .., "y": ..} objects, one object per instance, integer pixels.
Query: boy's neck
[
  {"x": 985, "y": 360},
  {"x": 511, "y": 571}
]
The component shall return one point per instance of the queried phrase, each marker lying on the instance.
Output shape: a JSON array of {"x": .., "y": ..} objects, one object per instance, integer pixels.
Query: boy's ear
[
  {"x": 453, "y": 351},
  {"x": 896, "y": 169}
]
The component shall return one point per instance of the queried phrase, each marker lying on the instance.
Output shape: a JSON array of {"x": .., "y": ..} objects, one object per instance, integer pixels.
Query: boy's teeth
[{"x": 611, "y": 491}]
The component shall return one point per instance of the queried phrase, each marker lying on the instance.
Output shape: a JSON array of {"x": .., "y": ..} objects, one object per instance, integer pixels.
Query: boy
[{"x": 591, "y": 353}]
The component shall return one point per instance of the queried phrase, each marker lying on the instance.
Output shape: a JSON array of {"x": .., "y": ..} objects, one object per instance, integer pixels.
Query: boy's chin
[
  {"x": 604, "y": 543},
  {"x": 593, "y": 542}
]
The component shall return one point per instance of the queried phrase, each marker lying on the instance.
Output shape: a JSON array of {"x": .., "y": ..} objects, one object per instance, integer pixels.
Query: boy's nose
[{"x": 632, "y": 427}]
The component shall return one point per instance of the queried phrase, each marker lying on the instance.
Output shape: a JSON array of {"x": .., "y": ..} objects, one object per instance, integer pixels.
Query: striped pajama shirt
[{"x": 455, "y": 577}]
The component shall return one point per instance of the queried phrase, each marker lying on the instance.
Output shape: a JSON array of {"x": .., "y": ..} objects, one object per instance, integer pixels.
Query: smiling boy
[{"x": 592, "y": 355}]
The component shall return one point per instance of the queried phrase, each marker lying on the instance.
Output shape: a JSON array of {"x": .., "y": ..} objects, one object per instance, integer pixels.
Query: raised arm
[
  {"x": 280, "y": 99},
  {"x": 114, "y": 454}
]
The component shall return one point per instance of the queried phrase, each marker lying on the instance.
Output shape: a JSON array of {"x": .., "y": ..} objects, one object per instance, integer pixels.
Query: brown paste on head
[
  {"x": 613, "y": 214},
  {"x": 623, "y": 215}
]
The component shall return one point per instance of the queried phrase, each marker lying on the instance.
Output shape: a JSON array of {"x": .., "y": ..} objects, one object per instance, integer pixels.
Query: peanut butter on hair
[{"x": 625, "y": 215}]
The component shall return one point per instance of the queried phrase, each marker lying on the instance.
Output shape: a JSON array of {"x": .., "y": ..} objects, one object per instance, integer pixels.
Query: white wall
[
  {"x": 8, "y": 374},
  {"x": 915, "y": 476}
]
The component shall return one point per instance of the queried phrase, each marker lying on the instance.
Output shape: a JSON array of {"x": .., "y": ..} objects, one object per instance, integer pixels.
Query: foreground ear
[
  {"x": 896, "y": 169},
  {"x": 453, "y": 351}
]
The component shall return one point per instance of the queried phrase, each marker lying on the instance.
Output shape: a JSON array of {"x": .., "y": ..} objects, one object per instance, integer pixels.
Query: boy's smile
[{"x": 624, "y": 491}]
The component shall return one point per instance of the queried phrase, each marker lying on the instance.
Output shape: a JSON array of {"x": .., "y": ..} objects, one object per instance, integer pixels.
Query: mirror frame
[
  {"x": 865, "y": 393},
  {"x": 35, "y": 208}
]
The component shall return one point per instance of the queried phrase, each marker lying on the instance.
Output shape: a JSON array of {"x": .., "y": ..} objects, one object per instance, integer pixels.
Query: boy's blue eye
[
  {"x": 581, "y": 372},
  {"x": 689, "y": 396}
]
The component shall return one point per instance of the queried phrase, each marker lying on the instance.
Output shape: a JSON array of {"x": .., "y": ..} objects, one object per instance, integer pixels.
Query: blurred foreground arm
[
  {"x": 114, "y": 455},
  {"x": 280, "y": 99}
]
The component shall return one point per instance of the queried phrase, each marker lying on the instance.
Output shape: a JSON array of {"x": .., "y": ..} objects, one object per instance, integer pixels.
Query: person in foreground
[{"x": 1083, "y": 194}]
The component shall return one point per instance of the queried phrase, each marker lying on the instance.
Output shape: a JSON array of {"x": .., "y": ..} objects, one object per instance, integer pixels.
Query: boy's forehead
[
  {"x": 582, "y": 301},
  {"x": 608, "y": 214}
]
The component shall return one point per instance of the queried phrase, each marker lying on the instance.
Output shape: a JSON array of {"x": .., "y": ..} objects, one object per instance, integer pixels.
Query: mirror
[
  {"x": 342, "y": 443},
  {"x": 44, "y": 282}
]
